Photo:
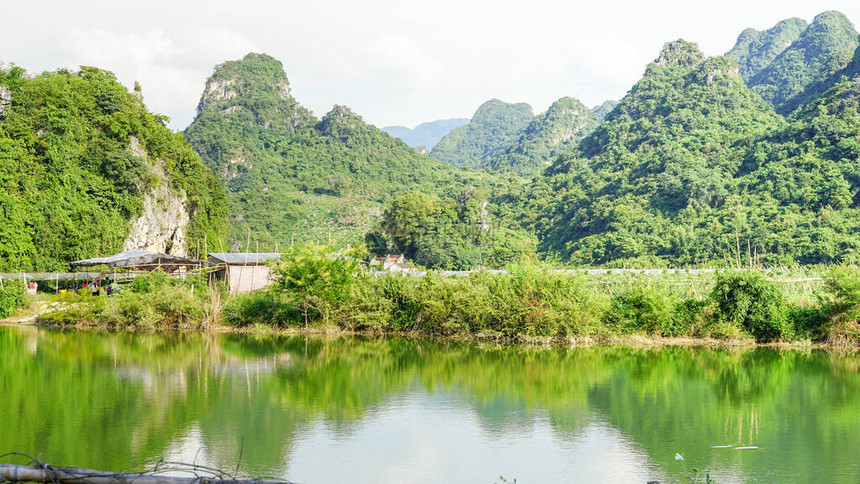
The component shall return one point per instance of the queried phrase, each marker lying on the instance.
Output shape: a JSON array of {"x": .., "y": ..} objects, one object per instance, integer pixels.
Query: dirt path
[{"x": 29, "y": 315}]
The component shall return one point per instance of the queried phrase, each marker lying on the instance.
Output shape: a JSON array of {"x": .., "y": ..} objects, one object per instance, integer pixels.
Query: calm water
[{"x": 332, "y": 410}]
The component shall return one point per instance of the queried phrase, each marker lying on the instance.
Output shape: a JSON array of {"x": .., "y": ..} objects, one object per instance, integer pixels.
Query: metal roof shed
[
  {"x": 245, "y": 271},
  {"x": 139, "y": 259}
]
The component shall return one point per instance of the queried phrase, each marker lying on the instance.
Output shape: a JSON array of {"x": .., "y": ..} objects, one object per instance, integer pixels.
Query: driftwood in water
[{"x": 70, "y": 475}]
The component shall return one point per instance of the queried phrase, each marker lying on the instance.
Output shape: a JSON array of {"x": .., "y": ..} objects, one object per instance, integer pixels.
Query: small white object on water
[
  {"x": 722, "y": 446},
  {"x": 679, "y": 457},
  {"x": 749, "y": 447}
]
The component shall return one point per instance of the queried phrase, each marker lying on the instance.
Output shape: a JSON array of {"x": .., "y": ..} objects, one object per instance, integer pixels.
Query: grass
[{"x": 820, "y": 305}]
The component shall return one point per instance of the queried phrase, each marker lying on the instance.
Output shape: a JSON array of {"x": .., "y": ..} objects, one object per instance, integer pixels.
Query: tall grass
[
  {"x": 325, "y": 291},
  {"x": 532, "y": 302}
]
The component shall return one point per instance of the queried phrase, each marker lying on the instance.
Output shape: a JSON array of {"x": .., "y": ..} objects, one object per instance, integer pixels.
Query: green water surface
[{"x": 316, "y": 410}]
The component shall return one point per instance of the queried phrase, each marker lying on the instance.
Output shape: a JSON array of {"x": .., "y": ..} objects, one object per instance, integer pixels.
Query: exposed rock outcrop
[
  {"x": 162, "y": 225},
  {"x": 164, "y": 222},
  {"x": 5, "y": 100}
]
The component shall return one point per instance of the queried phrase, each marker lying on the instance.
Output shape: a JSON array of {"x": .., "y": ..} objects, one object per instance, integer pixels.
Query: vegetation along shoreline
[{"x": 313, "y": 292}]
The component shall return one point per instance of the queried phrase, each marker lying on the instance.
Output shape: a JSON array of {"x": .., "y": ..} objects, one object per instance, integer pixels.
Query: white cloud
[
  {"x": 171, "y": 67},
  {"x": 394, "y": 62}
]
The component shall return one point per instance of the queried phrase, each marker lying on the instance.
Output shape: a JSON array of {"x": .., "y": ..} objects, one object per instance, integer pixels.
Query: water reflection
[{"x": 397, "y": 410}]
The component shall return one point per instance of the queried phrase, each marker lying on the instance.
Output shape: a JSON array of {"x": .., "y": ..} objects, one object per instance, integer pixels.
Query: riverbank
[
  {"x": 32, "y": 317},
  {"x": 315, "y": 294}
]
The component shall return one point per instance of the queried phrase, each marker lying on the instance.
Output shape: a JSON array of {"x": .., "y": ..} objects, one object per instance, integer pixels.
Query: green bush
[
  {"x": 317, "y": 280},
  {"x": 842, "y": 285},
  {"x": 169, "y": 305},
  {"x": 261, "y": 308},
  {"x": 687, "y": 315},
  {"x": 640, "y": 309},
  {"x": 12, "y": 296},
  {"x": 840, "y": 305},
  {"x": 753, "y": 303}
]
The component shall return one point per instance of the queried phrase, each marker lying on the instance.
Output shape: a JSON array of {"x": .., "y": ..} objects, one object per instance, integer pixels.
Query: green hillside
[
  {"x": 824, "y": 47},
  {"x": 291, "y": 177},
  {"x": 557, "y": 130},
  {"x": 755, "y": 50},
  {"x": 78, "y": 155},
  {"x": 495, "y": 126},
  {"x": 600, "y": 112},
  {"x": 648, "y": 180},
  {"x": 814, "y": 91},
  {"x": 694, "y": 168}
]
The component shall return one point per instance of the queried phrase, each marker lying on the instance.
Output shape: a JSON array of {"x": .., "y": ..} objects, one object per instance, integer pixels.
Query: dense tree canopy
[
  {"x": 70, "y": 180},
  {"x": 292, "y": 177},
  {"x": 822, "y": 49},
  {"x": 694, "y": 168},
  {"x": 557, "y": 130},
  {"x": 493, "y": 128}
]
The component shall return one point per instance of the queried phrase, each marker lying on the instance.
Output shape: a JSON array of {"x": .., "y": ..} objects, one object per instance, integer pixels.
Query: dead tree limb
[{"x": 69, "y": 475}]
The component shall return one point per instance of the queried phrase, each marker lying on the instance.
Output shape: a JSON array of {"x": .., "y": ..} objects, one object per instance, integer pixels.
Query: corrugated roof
[
  {"x": 242, "y": 258},
  {"x": 135, "y": 258}
]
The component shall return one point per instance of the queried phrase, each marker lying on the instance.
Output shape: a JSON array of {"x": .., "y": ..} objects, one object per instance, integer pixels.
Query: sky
[{"x": 394, "y": 62}]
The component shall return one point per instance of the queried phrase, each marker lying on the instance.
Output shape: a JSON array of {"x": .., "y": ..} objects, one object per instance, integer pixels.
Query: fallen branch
[{"x": 69, "y": 475}]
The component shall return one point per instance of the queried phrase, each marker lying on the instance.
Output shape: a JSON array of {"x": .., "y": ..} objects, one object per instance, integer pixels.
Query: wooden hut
[{"x": 244, "y": 271}]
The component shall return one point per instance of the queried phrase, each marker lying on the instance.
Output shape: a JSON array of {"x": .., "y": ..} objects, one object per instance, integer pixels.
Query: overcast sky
[{"x": 392, "y": 61}]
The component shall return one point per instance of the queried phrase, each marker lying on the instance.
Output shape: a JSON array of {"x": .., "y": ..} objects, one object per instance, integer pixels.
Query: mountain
[
  {"x": 557, "y": 130},
  {"x": 600, "y": 112},
  {"x": 814, "y": 91},
  {"x": 425, "y": 134},
  {"x": 86, "y": 170},
  {"x": 495, "y": 126},
  {"x": 651, "y": 183},
  {"x": 755, "y": 50},
  {"x": 290, "y": 176},
  {"x": 823, "y": 48}
]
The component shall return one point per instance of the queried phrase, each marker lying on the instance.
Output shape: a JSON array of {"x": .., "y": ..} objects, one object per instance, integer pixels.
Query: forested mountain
[
  {"x": 425, "y": 134},
  {"x": 601, "y": 111},
  {"x": 694, "y": 168},
  {"x": 557, "y": 130},
  {"x": 86, "y": 170},
  {"x": 292, "y": 177},
  {"x": 648, "y": 180},
  {"x": 823, "y": 48},
  {"x": 495, "y": 126},
  {"x": 755, "y": 50},
  {"x": 814, "y": 91}
]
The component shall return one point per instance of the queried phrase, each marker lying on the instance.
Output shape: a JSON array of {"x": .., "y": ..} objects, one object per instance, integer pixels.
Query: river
[{"x": 347, "y": 409}]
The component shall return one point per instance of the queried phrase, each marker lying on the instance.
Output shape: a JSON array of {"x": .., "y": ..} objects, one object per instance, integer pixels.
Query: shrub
[
  {"x": 640, "y": 309},
  {"x": 754, "y": 304},
  {"x": 840, "y": 305},
  {"x": 261, "y": 308},
  {"x": 687, "y": 315},
  {"x": 12, "y": 296},
  {"x": 170, "y": 305},
  {"x": 317, "y": 280}
]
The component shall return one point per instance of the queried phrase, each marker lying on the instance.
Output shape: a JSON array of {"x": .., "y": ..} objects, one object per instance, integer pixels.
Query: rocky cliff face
[
  {"x": 5, "y": 100},
  {"x": 163, "y": 225}
]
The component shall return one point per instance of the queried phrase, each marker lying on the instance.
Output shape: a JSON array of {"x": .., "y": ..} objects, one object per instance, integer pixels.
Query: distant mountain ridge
[
  {"x": 495, "y": 126},
  {"x": 655, "y": 172},
  {"x": 551, "y": 133},
  {"x": 823, "y": 48},
  {"x": 600, "y": 112},
  {"x": 755, "y": 50},
  {"x": 425, "y": 134}
]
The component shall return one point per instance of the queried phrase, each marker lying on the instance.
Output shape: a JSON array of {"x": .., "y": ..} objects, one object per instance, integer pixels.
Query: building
[
  {"x": 244, "y": 271},
  {"x": 392, "y": 263}
]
